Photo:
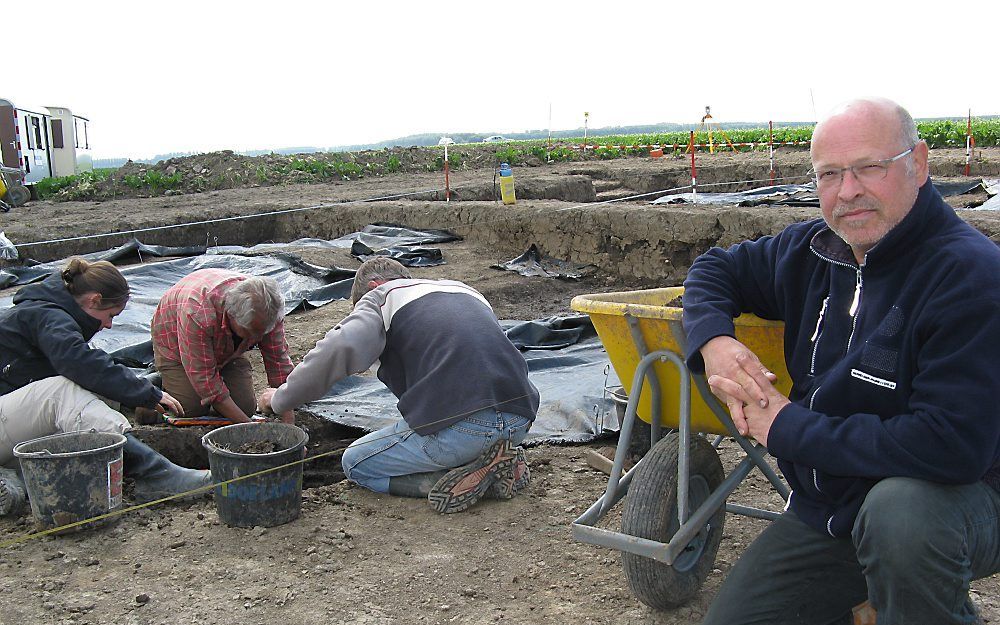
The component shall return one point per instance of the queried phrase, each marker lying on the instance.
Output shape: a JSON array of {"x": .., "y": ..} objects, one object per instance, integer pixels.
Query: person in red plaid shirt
[{"x": 201, "y": 330}]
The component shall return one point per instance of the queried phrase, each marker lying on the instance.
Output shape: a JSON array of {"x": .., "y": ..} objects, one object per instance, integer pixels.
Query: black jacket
[
  {"x": 893, "y": 362},
  {"x": 46, "y": 334}
]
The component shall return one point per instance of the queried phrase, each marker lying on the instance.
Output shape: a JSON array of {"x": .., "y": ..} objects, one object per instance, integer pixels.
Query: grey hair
[
  {"x": 907, "y": 129},
  {"x": 908, "y": 134},
  {"x": 256, "y": 299},
  {"x": 379, "y": 269}
]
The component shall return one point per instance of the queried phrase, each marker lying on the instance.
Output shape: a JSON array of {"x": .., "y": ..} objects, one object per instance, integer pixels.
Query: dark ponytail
[{"x": 82, "y": 277}]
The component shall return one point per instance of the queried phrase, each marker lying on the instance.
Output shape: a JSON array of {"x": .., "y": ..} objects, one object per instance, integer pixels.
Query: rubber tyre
[
  {"x": 18, "y": 195},
  {"x": 651, "y": 512}
]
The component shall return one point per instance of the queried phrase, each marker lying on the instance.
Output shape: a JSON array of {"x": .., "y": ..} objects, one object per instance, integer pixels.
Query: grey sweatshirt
[{"x": 438, "y": 347}]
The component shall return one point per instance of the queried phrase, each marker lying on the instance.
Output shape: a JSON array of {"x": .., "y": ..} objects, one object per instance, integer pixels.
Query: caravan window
[
  {"x": 36, "y": 132},
  {"x": 83, "y": 142},
  {"x": 57, "y": 133}
]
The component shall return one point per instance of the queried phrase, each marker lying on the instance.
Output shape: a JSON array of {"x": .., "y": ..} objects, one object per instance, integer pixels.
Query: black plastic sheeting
[
  {"x": 566, "y": 361},
  {"x": 799, "y": 194},
  {"x": 303, "y": 285},
  {"x": 134, "y": 249},
  {"x": 992, "y": 186},
  {"x": 787, "y": 194},
  {"x": 533, "y": 264},
  {"x": 958, "y": 187},
  {"x": 397, "y": 242},
  {"x": 409, "y": 256},
  {"x": 550, "y": 333},
  {"x": 571, "y": 379}
]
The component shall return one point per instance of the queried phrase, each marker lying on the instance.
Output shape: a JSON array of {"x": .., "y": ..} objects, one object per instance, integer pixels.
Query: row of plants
[
  {"x": 937, "y": 134},
  {"x": 49, "y": 187},
  {"x": 157, "y": 180}
]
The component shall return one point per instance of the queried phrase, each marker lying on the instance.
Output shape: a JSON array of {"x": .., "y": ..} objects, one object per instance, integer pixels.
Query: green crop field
[{"x": 937, "y": 134}]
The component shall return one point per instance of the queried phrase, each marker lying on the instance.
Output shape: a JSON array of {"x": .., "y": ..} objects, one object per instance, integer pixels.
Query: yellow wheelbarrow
[
  {"x": 12, "y": 190},
  {"x": 674, "y": 513}
]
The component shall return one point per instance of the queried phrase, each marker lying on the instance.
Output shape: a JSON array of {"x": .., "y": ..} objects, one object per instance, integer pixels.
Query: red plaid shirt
[{"x": 190, "y": 327}]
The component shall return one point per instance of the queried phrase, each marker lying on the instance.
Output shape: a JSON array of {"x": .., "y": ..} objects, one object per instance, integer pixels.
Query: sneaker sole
[
  {"x": 508, "y": 486},
  {"x": 462, "y": 487}
]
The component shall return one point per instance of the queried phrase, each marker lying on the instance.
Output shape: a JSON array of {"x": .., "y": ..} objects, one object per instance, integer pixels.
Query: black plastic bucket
[
  {"x": 72, "y": 476},
  {"x": 269, "y": 499}
]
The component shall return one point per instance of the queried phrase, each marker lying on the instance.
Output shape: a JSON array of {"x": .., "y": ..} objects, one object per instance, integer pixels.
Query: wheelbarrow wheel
[
  {"x": 651, "y": 512},
  {"x": 19, "y": 195}
]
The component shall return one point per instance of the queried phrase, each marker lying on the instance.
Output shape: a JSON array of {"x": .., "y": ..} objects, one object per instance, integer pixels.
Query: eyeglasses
[{"x": 870, "y": 172}]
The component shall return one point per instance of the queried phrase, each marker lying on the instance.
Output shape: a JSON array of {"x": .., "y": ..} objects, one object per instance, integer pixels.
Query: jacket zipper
[
  {"x": 854, "y": 309},
  {"x": 816, "y": 481},
  {"x": 816, "y": 335},
  {"x": 812, "y": 399},
  {"x": 856, "y": 302}
]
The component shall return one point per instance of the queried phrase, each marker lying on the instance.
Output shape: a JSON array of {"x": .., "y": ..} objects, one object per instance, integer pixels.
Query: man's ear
[
  {"x": 920, "y": 159},
  {"x": 373, "y": 284}
]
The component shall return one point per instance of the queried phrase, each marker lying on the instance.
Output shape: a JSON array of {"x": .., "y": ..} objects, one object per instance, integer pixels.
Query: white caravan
[{"x": 43, "y": 141}]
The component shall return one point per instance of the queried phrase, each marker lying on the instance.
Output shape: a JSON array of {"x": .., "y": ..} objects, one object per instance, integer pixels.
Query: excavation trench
[{"x": 558, "y": 211}]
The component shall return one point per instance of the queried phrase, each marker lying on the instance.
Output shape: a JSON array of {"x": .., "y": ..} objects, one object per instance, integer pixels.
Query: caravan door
[
  {"x": 34, "y": 145},
  {"x": 8, "y": 136}
]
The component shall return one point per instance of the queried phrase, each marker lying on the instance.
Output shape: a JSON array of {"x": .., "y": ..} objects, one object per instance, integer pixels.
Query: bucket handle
[
  {"x": 41, "y": 453},
  {"x": 45, "y": 453}
]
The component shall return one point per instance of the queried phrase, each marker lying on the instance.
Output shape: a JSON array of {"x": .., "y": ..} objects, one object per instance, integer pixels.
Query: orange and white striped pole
[
  {"x": 770, "y": 146},
  {"x": 694, "y": 175},
  {"x": 447, "y": 186},
  {"x": 969, "y": 144}
]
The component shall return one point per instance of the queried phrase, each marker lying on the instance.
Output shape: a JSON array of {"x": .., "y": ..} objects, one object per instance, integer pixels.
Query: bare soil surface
[{"x": 357, "y": 557}]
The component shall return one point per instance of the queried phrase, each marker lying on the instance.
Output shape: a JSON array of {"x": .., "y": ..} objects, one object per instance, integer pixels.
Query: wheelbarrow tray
[{"x": 656, "y": 315}]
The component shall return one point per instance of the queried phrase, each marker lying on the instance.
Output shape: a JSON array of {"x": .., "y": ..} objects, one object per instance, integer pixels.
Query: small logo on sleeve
[{"x": 861, "y": 375}]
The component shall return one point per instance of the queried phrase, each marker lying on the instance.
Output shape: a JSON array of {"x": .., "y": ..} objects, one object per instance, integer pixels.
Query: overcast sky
[{"x": 208, "y": 75}]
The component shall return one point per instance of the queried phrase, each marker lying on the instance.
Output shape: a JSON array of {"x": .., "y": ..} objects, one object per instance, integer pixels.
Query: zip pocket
[{"x": 817, "y": 334}]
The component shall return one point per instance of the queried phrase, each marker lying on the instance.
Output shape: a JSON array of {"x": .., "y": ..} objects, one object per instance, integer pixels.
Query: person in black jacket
[
  {"x": 890, "y": 436},
  {"x": 52, "y": 380}
]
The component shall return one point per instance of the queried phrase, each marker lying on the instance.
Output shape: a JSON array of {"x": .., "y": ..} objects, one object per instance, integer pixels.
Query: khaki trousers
[
  {"x": 237, "y": 376},
  {"x": 51, "y": 406}
]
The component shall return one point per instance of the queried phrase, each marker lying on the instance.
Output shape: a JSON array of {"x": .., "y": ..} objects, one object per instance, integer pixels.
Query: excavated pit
[{"x": 557, "y": 209}]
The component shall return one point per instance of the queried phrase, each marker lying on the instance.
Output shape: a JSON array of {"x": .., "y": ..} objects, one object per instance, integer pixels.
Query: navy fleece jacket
[
  {"x": 893, "y": 363},
  {"x": 46, "y": 334}
]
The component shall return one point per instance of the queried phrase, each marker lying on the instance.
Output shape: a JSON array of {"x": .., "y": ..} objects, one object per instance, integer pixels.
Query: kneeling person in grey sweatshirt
[{"x": 462, "y": 386}]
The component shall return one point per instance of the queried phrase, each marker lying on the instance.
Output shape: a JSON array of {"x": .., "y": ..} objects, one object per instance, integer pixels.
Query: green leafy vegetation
[
  {"x": 50, "y": 187},
  {"x": 511, "y": 155},
  {"x": 937, "y": 134}
]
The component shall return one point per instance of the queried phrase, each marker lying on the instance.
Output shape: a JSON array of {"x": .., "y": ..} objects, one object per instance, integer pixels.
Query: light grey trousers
[{"x": 51, "y": 406}]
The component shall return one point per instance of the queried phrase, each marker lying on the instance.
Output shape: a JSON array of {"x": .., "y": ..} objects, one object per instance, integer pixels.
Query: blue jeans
[
  {"x": 915, "y": 547},
  {"x": 396, "y": 450}
]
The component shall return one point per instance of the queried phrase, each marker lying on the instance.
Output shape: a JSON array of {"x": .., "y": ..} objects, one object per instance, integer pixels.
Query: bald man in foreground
[{"x": 890, "y": 436}]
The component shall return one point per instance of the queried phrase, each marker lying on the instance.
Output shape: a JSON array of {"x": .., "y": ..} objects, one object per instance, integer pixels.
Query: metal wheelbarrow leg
[{"x": 673, "y": 518}]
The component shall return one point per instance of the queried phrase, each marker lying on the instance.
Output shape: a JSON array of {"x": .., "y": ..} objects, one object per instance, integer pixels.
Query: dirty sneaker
[
  {"x": 514, "y": 480},
  {"x": 463, "y": 486}
]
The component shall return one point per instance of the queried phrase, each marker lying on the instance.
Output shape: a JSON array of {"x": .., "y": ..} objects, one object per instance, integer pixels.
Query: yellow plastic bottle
[{"x": 507, "y": 184}]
